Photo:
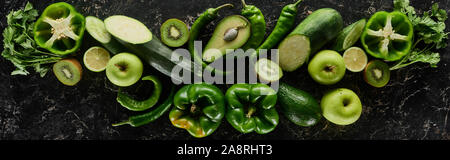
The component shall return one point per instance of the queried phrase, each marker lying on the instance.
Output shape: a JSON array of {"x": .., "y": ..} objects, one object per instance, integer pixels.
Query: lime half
[
  {"x": 355, "y": 59},
  {"x": 96, "y": 58}
]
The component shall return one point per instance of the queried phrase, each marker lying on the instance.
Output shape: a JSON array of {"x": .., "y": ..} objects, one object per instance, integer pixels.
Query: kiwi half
[
  {"x": 377, "y": 73},
  {"x": 174, "y": 32},
  {"x": 68, "y": 71}
]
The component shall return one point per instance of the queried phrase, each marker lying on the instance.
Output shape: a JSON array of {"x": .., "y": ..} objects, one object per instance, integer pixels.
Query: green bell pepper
[
  {"x": 251, "y": 107},
  {"x": 388, "y": 36},
  {"x": 199, "y": 108},
  {"x": 60, "y": 29}
]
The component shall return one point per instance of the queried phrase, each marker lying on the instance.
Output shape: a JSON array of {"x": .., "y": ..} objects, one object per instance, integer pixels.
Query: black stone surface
[{"x": 415, "y": 104}]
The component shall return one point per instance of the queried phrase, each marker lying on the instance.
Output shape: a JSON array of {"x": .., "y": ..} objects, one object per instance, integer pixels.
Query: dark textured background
[{"x": 415, "y": 104}]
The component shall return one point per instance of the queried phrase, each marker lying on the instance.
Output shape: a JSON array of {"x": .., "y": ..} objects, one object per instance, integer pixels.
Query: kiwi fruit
[
  {"x": 68, "y": 71},
  {"x": 377, "y": 73},
  {"x": 174, "y": 32}
]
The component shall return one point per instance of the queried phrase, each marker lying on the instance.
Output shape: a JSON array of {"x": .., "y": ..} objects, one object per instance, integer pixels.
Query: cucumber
[
  {"x": 349, "y": 36},
  {"x": 298, "y": 106},
  {"x": 299, "y": 43},
  {"x": 320, "y": 27},
  {"x": 268, "y": 71},
  {"x": 135, "y": 36},
  {"x": 96, "y": 28}
]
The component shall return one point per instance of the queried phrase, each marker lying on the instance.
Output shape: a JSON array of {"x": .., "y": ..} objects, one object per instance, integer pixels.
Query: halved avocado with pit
[{"x": 231, "y": 33}]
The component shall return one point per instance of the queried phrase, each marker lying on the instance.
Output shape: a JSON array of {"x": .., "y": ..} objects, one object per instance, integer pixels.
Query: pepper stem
[
  {"x": 223, "y": 6},
  {"x": 251, "y": 110},
  {"x": 297, "y": 3},
  {"x": 243, "y": 3},
  {"x": 193, "y": 108},
  {"x": 121, "y": 123}
]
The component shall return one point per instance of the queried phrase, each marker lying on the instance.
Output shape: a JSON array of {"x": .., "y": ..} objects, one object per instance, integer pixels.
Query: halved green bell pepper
[
  {"x": 60, "y": 29},
  {"x": 199, "y": 108},
  {"x": 388, "y": 36},
  {"x": 251, "y": 107}
]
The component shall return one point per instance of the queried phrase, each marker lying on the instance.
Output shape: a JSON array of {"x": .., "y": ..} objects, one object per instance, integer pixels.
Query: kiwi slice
[
  {"x": 68, "y": 71},
  {"x": 174, "y": 32},
  {"x": 377, "y": 73}
]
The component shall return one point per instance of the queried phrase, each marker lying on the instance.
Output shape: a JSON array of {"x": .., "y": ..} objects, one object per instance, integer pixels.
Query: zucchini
[
  {"x": 135, "y": 36},
  {"x": 298, "y": 43},
  {"x": 96, "y": 28},
  {"x": 298, "y": 106},
  {"x": 349, "y": 36},
  {"x": 320, "y": 27}
]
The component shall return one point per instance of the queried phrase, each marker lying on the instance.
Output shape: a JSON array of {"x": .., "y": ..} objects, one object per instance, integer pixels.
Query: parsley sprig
[
  {"x": 429, "y": 35},
  {"x": 19, "y": 45}
]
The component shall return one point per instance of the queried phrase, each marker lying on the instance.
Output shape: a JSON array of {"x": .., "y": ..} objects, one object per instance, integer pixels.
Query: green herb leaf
[
  {"x": 19, "y": 46},
  {"x": 28, "y": 6},
  {"x": 429, "y": 29}
]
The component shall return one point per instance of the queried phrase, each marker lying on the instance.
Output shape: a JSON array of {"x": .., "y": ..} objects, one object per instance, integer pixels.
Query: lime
[
  {"x": 96, "y": 58},
  {"x": 355, "y": 59}
]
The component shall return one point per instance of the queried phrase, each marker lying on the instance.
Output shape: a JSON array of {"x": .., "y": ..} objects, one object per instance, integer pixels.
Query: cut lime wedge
[
  {"x": 355, "y": 59},
  {"x": 96, "y": 58}
]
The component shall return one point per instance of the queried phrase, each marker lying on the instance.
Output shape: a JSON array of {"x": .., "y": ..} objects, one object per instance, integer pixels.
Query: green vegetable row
[{"x": 389, "y": 37}]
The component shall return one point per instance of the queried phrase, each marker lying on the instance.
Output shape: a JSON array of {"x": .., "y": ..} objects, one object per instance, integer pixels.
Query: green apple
[
  {"x": 124, "y": 69},
  {"x": 327, "y": 67},
  {"x": 341, "y": 106}
]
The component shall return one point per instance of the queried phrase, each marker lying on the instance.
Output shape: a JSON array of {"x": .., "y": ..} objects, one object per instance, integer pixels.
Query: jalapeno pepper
[
  {"x": 143, "y": 119},
  {"x": 251, "y": 107},
  {"x": 199, "y": 25},
  {"x": 258, "y": 25},
  {"x": 60, "y": 29},
  {"x": 388, "y": 36},
  {"x": 285, "y": 23},
  {"x": 134, "y": 105},
  {"x": 199, "y": 108}
]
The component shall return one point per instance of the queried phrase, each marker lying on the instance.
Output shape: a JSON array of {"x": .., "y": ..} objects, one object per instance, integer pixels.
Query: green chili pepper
[
  {"x": 60, "y": 29},
  {"x": 199, "y": 108},
  {"x": 140, "y": 120},
  {"x": 388, "y": 36},
  {"x": 284, "y": 25},
  {"x": 251, "y": 107},
  {"x": 199, "y": 25},
  {"x": 258, "y": 25},
  {"x": 134, "y": 105}
]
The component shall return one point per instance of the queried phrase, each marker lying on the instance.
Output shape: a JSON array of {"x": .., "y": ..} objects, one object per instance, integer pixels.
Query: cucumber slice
[
  {"x": 267, "y": 70},
  {"x": 349, "y": 36},
  {"x": 294, "y": 51},
  {"x": 136, "y": 37},
  {"x": 96, "y": 28}
]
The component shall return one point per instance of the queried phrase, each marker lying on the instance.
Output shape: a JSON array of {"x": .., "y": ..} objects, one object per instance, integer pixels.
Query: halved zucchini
[
  {"x": 134, "y": 35},
  {"x": 96, "y": 28},
  {"x": 294, "y": 51}
]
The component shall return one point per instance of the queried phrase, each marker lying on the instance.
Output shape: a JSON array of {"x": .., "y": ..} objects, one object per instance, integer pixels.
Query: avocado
[{"x": 232, "y": 32}]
